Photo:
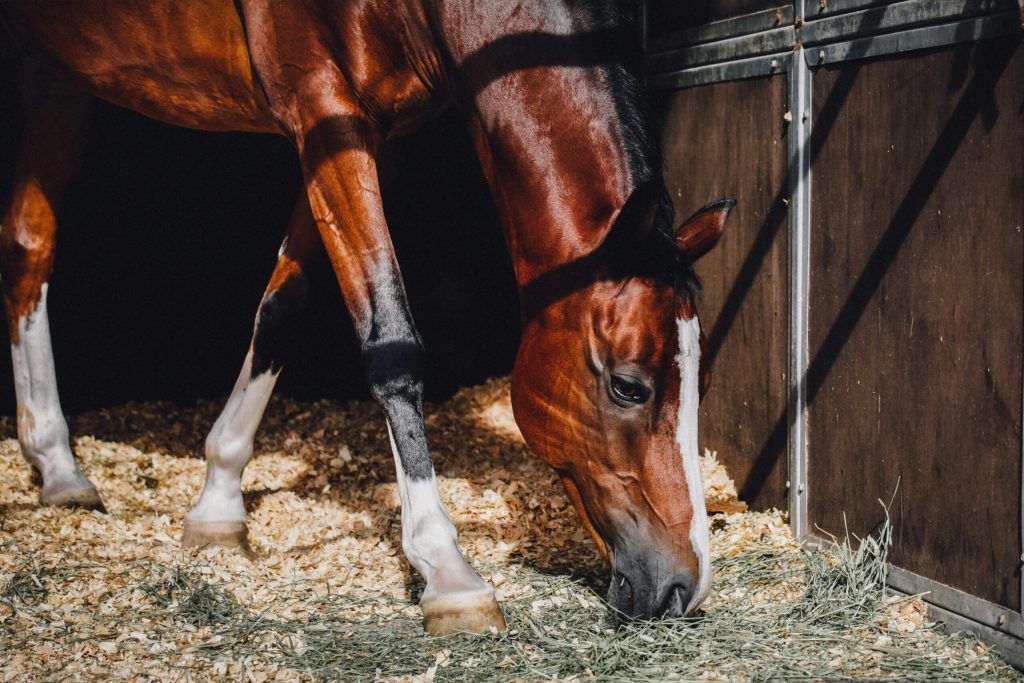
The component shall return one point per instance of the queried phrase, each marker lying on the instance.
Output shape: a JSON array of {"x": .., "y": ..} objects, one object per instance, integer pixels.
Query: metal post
[{"x": 799, "y": 257}]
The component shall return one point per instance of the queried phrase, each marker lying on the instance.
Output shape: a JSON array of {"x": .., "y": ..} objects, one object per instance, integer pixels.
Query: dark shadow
[
  {"x": 821, "y": 126},
  {"x": 747, "y": 274},
  {"x": 972, "y": 103},
  {"x": 779, "y": 212},
  {"x": 534, "y": 49}
]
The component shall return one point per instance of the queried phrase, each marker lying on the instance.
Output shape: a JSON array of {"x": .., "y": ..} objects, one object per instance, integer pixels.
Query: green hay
[
  {"x": 26, "y": 586},
  {"x": 183, "y": 592},
  {"x": 834, "y": 628}
]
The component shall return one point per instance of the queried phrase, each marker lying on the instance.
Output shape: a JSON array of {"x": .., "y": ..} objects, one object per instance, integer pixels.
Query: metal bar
[
  {"x": 897, "y": 16},
  {"x": 987, "y": 613},
  {"x": 844, "y": 37},
  {"x": 724, "y": 28},
  {"x": 799, "y": 282},
  {"x": 968, "y": 30},
  {"x": 766, "y": 42},
  {"x": 969, "y": 607},
  {"x": 1011, "y": 648},
  {"x": 753, "y": 67}
]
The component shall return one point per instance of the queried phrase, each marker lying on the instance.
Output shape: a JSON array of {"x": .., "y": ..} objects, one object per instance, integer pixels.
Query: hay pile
[{"x": 99, "y": 597}]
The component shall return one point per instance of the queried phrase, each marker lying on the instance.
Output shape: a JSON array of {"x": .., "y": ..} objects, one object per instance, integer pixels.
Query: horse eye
[{"x": 628, "y": 390}]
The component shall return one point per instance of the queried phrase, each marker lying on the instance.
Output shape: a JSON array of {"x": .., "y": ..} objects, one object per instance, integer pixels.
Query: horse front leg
[
  {"x": 54, "y": 126},
  {"x": 338, "y": 160},
  {"x": 219, "y": 518}
]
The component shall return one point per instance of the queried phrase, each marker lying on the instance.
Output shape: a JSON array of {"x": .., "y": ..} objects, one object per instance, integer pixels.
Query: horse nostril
[{"x": 677, "y": 600}]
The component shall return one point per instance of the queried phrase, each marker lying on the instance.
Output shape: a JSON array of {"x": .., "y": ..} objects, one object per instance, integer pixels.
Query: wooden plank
[
  {"x": 917, "y": 287},
  {"x": 665, "y": 16},
  {"x": 727, "y": 140}
]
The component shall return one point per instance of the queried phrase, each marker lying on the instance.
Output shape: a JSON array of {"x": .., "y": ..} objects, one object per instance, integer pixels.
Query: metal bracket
[{"x": 971, "y": 607}]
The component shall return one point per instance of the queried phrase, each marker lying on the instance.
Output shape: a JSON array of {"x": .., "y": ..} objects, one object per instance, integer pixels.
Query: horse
[{"x": 608, "y": 376}]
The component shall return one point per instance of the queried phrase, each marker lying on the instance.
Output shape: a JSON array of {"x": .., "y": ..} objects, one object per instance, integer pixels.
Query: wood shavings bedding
[{"x": 98, "y": 597}]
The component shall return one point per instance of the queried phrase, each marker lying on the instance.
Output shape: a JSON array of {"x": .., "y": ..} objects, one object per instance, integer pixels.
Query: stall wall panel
[
  {"x": 917, "y": 272},
  {"x": 728, "y": 140},
  {"x": 665, "y": 16}
]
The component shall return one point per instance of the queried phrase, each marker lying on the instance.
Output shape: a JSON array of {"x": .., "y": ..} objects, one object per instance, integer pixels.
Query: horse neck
[{"x": 553, "y": 135}]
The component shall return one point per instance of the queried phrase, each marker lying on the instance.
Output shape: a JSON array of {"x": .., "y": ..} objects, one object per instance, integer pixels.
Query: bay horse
[{"x": 607, "y": 380}]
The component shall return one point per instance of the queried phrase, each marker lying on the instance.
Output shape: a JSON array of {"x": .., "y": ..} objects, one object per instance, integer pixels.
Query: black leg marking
[
  {"x": 393, "y": 354},
  {"x": 273, "y": 336}
]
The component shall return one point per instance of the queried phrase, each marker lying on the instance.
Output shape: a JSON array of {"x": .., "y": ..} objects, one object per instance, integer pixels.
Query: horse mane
[{"x": 655, "y": 256}]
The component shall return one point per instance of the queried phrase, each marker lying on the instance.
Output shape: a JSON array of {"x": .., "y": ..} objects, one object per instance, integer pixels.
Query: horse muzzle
[{"x": 643, "y": 589}]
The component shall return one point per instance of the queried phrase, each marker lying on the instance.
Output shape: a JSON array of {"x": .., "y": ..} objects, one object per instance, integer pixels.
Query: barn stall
[
  {"x": 328, "y": 594},
  {"x": 865, "y": 312}
]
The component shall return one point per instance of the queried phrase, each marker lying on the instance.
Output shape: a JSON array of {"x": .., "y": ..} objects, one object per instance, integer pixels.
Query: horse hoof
[
  {"x": 220, "y": 534},
  {"x": 86, "y": 497},
  {"x": 473, "y": 613}
]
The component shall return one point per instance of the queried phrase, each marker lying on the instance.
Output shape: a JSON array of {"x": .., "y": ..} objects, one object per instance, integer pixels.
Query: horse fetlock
[
  {"x": 431, "y": 542},
  {"x": 231, "y": 453},
  {"x": 43, "y": 434}
]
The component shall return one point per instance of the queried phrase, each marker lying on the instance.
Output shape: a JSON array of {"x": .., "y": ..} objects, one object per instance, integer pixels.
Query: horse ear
[{"x": 701, "y": 231}]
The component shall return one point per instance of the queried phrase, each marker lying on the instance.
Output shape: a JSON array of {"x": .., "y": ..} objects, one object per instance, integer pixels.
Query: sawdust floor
[{"x": 82, "y": 590}]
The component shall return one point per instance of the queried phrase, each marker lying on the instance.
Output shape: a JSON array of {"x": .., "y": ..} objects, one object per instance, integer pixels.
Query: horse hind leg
[
  {"x": 218, "y": 518},
  {"x": 55, "y": 118}
]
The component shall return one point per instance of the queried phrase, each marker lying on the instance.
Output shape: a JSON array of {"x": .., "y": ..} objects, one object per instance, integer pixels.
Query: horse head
[{"x": 606, "y": 389}]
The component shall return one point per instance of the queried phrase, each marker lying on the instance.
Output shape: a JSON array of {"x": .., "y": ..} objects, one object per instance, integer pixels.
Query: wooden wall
[
  {"x": 917, "y": 284},
  {"x": 728, "y": 140}
]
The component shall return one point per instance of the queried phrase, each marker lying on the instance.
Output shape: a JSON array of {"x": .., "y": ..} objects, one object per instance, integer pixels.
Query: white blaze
[{"x": 686, "y": 436}]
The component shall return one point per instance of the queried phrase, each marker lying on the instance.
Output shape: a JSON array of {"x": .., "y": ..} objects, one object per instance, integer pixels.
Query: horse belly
[{"x": 185, "y": 63}]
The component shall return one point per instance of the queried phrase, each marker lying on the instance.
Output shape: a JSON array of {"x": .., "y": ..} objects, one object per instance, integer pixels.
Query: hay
[{"x": 95, "y": 597}]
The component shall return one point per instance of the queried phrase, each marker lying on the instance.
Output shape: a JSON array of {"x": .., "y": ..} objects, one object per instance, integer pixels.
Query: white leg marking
[
  {"x": 686, "y": 436},
  {"x": 429, "y": 539},
  {"x": 42, "y": 430},
  {"x": 229, "y": 447}
]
